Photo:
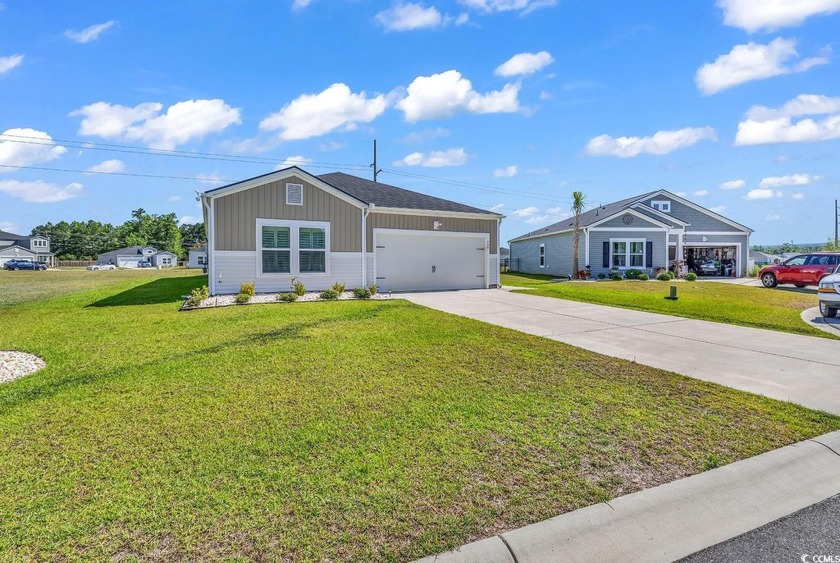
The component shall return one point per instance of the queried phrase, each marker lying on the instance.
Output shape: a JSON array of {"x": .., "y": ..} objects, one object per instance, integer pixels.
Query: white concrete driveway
[{"x": 801, "y": 369}]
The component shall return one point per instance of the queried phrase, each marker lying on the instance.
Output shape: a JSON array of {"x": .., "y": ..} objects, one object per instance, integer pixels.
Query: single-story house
[
  {"x": 646, "y": 232},
  {"x": 130, "y": 257},
  {"x": 763, "y": 258},
  {"x": 340, "y": 228},
  {"x": 35, "y": 248},
  {"x": 197, "y": 257}
]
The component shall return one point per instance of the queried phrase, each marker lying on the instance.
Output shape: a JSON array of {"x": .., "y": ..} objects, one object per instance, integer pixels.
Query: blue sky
[{"x": 514, "y": 104}]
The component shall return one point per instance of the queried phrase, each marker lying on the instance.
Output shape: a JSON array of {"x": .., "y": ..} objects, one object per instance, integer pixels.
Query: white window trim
[
  {"x": 628, "y": 254},
  {"x": 542, "y": 256},
  {"x": 294, "y": 247},
  {"x": 287, "y": 193},
  {"x": 665, "y": 205},
  {"x": 39, "y": 243}
]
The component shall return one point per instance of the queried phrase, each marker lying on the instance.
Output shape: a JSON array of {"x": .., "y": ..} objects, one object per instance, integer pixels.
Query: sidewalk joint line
[
  {"x": 832, "y": 450},
  {"x": 510, "y": 550}
]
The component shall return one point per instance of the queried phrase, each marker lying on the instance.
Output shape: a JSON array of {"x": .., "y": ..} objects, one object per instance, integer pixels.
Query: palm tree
[{"x": 578, "y": 204}]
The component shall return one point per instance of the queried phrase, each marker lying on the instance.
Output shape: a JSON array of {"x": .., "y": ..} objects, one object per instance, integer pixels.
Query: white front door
[{"x": 430, "y": 260}]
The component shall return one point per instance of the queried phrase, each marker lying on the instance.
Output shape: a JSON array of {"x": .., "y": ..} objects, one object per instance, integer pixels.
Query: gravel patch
[
  {"x": 310, "y": 296},
  {"x": 14, "y": 365}
]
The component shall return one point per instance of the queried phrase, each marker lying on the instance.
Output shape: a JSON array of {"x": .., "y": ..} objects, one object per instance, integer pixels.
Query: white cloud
[
  {"x": 496, "y": 207},
  {"x": 765, "y": 125},
  {"x": 545, "y": 95},
  {"x": 791, "y": 180},
  {"x": 10, "y": 62},
  {"x": 210, "y": 178},
  {"x": 298, "y": 5},
  {"x": 174, "y": 198},
  {"x": 525, "y": 212},
  {"x": 700, "y": 193},
  {"x": 763, "y": 193},
  {"x": 733, "y": 185},
  {"x": 507, "y": 172},
  {"x": 8, "y": 226},
  {"x": 772, "y": 217},
  {"x": 25, "y": 147},
  {"x": 107, "y": 167},
  {"x": 183, "y": 122},
  {"x": 798, "y": 196},
  {"x": 661, "y": 142},
  {"x": 538, "y": 171},
  {"x": 293, "y": 161},
  {"x": 539, "y": 219},
  {"x": 524, "y": 63},
  {"x": 718, "y": 209},
  {"x": 753, "y": 15},
  {"x": 435, "y": 159},
  {"x": 522, "y": 6},
  {"x": 89, "y": 34},
  {"x": 753, "y": 61},
  {"x": 443, "y": 95},
  {"x": 418, "y": 137},
  {"x": 331, "y": 146},
  {"x": 312, "y": 115},
  {"x": 39, "y": 191},
  {"x": 409, "y": 17},
  {"x": 188, "y": 220}
]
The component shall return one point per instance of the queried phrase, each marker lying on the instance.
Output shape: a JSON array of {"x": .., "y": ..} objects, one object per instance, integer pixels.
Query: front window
[
  {"x": 313, "y": 250},
  {"x": 201, "y": 260},
  {"x": 637, "y": 254},
  {"x": 542, "y": 256},
  {"x": 664, "y": 206},
  {"x": 627, "y": 253},
  {"x": 619, "y": 257},
  {"x": 276, "y": 250}
]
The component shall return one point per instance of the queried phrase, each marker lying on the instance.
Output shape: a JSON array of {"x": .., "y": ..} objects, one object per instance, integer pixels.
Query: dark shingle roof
[
  {"x": 384, "y": 195},
  {"x": 137, "y": 249},
  {"x": 5, "y": 235}
]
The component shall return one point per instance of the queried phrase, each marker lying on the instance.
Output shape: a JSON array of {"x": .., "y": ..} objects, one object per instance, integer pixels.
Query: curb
[
  {"x": 674, "y": 520},
  {"x": 815, "y": 319}
]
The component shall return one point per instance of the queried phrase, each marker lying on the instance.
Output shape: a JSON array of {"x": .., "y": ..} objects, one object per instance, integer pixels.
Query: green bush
[
  {"x": 602, "y": 276},
  {"x": 329, "y": 294},
  {"x": 644, "y": 277},
  {"x": 247, "y": 288},
  {"x": 243, "y": 298},
  {"x": 362, "y": 293},
  {"x": 633, "y": 274},
  {"x": 663, "y": 277},
  {"x": 287, "y": 297},
  {"x": 671, "y": 274},
  {"x": 616, "y": 277},
  {"x": 297, "y": 287},
  {"x": 198, "y": 295},
  {"x": 338, "y": 287},
  {"x": 753, "y": 271},
  {"x": 374, "y": 289},
  {"x": 691, "y": 276}
]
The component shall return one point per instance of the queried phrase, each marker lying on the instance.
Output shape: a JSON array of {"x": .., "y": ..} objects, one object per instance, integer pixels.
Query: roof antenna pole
[{"x": 376, "y": 170}]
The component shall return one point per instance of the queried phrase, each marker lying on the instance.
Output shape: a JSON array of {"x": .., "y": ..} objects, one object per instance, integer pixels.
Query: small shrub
[
  {"x": 616, "y": 277},
  {"x": 602, "y": 276},
  {"x": 671, "y": 275},
  {"x": 287, "y": 297},
  {"x": 329, "y": 294},
  {"x": 644, "y": 277},
  {"x": 374, "y": 289},
  {"x": 663, "y": 277},
  {"x": 633, "y": 274},
  {"x": 338, "y": 287},
  {"x": 248, "y": 288},
  {"x": 362, "y": 293},
  {"x": 198, "y": 295},
  {"x": 243, "y": 298},
  {"x": 297, "y": 287},
  {"x": 753, "y": 271},
  {"x": 691, "y": 276}
]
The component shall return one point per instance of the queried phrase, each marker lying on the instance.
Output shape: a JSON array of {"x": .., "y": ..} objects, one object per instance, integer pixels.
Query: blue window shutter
[
  {"x": 606, "y": 254},
  {"x": 649, "y": 253}
]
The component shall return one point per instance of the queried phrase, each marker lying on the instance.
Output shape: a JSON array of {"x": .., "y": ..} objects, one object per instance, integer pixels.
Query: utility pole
[
  {"x": 376, "y": 170},
  {"x": 836, "y": 223}
]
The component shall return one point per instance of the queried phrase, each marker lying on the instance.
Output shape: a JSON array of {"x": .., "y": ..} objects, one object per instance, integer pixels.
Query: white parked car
[
  {"x": 829, "y": 294},
  {"x": 101, "y": 267}
]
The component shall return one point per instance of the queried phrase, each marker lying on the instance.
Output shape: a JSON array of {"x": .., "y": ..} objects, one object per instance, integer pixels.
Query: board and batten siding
[
  {"x": 427, "y": 223},
  {"x": 558, "y": 254},
  {"x": 237, "y": 213}
]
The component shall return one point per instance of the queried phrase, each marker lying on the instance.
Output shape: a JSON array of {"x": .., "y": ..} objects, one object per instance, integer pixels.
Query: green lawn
[
  {"x": 374, "y": 430},
  {"x": 774, "y": 309}
]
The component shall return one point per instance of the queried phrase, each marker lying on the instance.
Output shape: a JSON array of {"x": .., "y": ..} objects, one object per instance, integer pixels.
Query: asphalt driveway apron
[{"x": 790, "y": 367}]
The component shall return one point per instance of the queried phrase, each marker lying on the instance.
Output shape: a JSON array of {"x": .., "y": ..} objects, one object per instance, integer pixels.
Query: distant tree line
[
  {"x": 84, "y": 240},
  {"x": 828, "y": 246}
]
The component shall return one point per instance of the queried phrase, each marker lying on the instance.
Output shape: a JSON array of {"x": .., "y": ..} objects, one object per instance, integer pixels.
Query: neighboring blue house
[{"x": 645, "y": 232}]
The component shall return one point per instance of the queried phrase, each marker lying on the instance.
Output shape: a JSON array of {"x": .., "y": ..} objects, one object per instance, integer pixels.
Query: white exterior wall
[
  {"x": 493, "y": 274},
  {"x": 193, "y": 259}
]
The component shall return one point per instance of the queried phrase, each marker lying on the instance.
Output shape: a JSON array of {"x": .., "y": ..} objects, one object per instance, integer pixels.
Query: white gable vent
[{"x": 294, "y": 194}]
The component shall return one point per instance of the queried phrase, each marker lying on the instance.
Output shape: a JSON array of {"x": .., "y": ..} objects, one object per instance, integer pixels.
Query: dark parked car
[
  {"x": 23, "y": 265},
  {"x": 802, "y": 270},
  {"x": 144, "y": 264}
]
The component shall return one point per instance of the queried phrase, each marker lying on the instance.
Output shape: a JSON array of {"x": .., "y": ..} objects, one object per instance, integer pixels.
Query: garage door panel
[{"x": 428, "y": 261}]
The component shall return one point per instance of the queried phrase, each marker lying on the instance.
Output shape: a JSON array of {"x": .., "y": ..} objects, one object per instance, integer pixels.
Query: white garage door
[
  {"x": 430, "y": 260},
  {"x": 128, "y": 262}
]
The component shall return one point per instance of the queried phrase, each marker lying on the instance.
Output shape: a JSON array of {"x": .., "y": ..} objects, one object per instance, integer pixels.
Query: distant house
[
  {"x": 31, "y": 248},
  {"x": 197, "y": 257},
  {"x": 130, "y": 257},
  {"x": 646, "y": 232},
  {"x": 763, "y": 258}
]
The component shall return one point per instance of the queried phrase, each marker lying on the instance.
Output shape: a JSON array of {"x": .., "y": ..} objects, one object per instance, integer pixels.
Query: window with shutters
[
  {"x": 627, "y": 253},
  {"x": 294, "y": 194},
  {"x": 292, "y": 247}
]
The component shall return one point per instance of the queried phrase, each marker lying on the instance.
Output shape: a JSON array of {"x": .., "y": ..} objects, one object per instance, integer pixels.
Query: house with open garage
[
  {"x": 340, "y": 228},
  {"x": 32, "y": 248},
  {"x": 647, "y": 232}
]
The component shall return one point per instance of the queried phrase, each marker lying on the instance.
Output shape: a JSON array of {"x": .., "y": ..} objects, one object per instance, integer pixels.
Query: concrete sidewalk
[
  {"x": 790, "y": 367},
  {"x": 674, "y": 520}
]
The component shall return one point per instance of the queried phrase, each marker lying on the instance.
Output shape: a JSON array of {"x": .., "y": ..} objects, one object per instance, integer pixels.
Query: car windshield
[{"x": 795, "y": 261}]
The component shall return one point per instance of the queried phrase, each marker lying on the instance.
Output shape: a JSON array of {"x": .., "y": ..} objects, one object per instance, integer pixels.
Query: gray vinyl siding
[
  {"x": 596, "y": 248},
  {"x": 9, "y": 251},
  {"x": 618, "y": 223},
  {"x": 741, "y": 239},
  {"x": 427, "y": 223},
  {"x": 666, "y": 220},
  {"x": 673, "y": 238},
  {"x": 558, "y": 254},
  {"x": 236, "y": 215},
  {"x": 698, "y": 220}
]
